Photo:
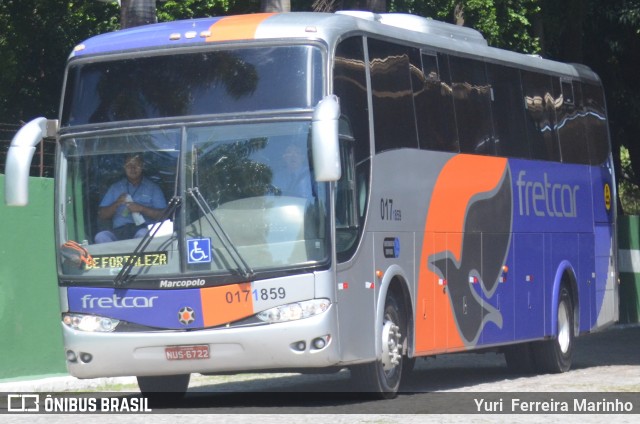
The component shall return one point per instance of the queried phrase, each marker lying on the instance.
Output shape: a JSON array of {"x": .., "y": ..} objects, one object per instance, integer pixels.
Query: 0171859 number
[{"x": 242, "y": 296}]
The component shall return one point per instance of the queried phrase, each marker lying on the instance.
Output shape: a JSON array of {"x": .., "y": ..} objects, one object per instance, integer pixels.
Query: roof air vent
[{"x": 420, "y": 24}]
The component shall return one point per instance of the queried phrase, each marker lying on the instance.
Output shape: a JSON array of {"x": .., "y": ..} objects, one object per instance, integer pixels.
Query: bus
[{"x": 453, "y": 197}]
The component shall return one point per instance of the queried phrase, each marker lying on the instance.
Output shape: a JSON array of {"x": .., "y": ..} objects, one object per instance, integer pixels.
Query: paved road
[
  {"x": 603, "y": 362},
  {"x": 608, "y": 361}
]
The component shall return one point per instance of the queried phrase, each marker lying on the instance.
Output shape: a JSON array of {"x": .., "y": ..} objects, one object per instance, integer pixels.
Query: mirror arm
[{"x": 19, "y": 156}]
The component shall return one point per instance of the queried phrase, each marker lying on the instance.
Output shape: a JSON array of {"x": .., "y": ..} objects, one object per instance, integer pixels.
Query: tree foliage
[
  {"x": 37, "y": 36},
  {"x": 172, "y": 10},
  {"x": 611, "y": 40},
  {"x": 504, "y": 23}
]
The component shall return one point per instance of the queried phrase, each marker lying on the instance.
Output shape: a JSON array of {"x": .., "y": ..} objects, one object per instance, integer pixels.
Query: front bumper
[{"x": 261, "y": 347}]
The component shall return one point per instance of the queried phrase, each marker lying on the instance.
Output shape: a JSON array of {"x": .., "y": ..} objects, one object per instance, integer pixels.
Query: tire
[
  {"x": 555, "y": 355},
  {"x": 381, "y": 379},
  {"x": 175, "y": 384}
]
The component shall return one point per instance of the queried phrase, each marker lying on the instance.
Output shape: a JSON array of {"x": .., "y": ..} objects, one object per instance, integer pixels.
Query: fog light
[
  {"x": 71, "y": 356},
  {"x": 320, "y": 342},
  {"x": 299, "y": 346},
  {"x": 85, "y": 357}
]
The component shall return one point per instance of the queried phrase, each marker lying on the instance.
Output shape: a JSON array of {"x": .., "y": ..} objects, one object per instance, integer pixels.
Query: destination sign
[{"x": 119, "y": 260}]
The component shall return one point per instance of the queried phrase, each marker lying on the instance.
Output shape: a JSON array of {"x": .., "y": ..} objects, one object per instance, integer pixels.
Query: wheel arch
[
  {"x": 395, "y": 281},
  {"x": 565, "y": 277}
]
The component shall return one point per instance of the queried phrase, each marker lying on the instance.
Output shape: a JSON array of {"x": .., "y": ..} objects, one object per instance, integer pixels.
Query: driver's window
[{"x": 347, "y": 196}]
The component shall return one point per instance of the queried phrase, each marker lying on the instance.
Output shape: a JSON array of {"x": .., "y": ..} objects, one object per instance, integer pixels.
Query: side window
[
  {"x": 472, "y": 102},
  {"x": 508, "y": 111},
  {"x": 351, "y": 196},
  {"x": 393, "y": 114},
  {"x": 540, "y": 103},
  {"x": 347, "y": 217},
  {"x": 596, "y": 123},
  {"x": 571, "y": 124},
  {"x": 350, "y": 85},
  {"x": 433, "y": 101}
]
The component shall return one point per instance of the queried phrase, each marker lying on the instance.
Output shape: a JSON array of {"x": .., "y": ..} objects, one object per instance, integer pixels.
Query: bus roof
[{"x": 424, "y": 32}]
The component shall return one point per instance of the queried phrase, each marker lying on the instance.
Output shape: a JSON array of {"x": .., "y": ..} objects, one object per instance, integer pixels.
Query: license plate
[{"x": 182, "y": 353}]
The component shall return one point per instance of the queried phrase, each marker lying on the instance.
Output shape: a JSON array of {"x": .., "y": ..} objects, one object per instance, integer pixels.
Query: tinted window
[
  {"x": 393, "y": 115},
  {"x": 596, "y": 123},
  {"x": 540, "y": 103},
  {"x": 571, "y": 124},
  {"x": 350, "y": 85},
  {"x": 433, "y": 101},
  {"x": 472, "y": 101},
  {"x": 203, "y": 83},
  {"x": 508, "y": 111}
]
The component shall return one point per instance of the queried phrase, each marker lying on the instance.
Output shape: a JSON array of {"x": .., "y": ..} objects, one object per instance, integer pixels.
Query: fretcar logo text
[{"x": 115, "y": 301}]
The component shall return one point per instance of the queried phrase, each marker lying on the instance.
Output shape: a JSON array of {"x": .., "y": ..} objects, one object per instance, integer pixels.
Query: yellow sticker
[{"x": 607, "y": 196}]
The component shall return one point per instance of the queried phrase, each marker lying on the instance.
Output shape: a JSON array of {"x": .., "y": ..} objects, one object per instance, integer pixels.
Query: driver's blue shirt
[{"x": 147, "y": 193}]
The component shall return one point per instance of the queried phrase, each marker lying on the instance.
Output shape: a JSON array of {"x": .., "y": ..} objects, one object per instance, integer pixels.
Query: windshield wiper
[
  {"x": 124, "y": 277},
  {"x": 242, "y": 265}
]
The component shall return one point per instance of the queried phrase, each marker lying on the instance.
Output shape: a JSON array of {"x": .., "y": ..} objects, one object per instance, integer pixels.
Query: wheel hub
[
  {"x": 564, "y": 330},
  {"x": 391, "y": 347}
]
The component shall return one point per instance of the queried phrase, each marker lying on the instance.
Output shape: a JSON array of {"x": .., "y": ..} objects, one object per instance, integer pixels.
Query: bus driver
[{"x": 130, "y": 204}]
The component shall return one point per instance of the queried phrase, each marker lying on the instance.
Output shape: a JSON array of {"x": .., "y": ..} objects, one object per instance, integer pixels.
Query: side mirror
[
  {"x": 19, "y": 156},
  {"x": 325, "y": 146}
]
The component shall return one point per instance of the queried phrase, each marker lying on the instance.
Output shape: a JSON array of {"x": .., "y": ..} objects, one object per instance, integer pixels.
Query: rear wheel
[
  {"x": 555, "y": 355},
  {"x": 382, "y": 377}
]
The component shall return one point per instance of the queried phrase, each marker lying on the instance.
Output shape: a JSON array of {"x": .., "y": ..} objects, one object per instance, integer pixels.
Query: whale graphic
[
  {"x": 465, "y": 246},
  {"x": 485, "y": 243}
]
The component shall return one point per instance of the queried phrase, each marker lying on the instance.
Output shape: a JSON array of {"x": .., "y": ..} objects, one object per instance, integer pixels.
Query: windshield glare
[
  {"x": 186, "y": 83},
  {"x": 255, "y": 182},
  {"x": 250, "y": 201}
]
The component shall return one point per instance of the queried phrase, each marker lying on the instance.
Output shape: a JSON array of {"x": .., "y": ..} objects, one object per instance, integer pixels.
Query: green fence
[
  {"x": 30, "y": 334},
  {"x": 629, "y": 264}
]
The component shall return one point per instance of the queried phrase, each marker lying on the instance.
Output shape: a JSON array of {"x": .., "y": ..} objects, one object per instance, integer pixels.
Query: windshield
[
  {"x": 254, "y": 183},
  {"x": 239, "y": 200},
  {"x": 191, "y": 84}
]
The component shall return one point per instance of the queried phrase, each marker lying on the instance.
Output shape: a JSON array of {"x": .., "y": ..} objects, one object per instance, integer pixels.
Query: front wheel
[
  {"x": 555, "y": 355},
  {"x": 382, "y": 377}
]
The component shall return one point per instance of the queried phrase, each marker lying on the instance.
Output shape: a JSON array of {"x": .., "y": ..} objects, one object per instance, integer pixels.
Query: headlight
[
  {"x": 295, "y": 311},
  {"x": 90, "y": 323}
]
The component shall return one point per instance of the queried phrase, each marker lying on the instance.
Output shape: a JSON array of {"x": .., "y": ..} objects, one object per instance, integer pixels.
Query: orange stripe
[
  {"x": 221, "y": 305},
  {"x": 463, "y": 177},
  {"x": 241, "y": 27}
]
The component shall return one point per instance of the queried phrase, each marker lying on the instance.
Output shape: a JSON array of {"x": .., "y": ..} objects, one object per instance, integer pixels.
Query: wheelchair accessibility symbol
[{"x": 199, "y": 251}]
